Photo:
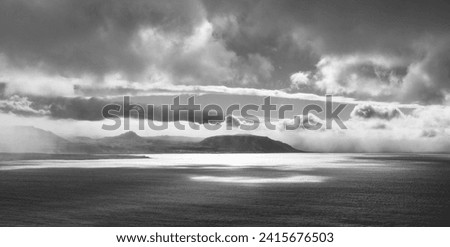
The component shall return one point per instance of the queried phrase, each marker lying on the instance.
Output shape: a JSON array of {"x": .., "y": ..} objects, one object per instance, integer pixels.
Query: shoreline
[{"x": 44, "y": 156}]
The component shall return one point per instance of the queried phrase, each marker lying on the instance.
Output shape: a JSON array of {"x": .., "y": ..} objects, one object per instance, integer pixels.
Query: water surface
[{"x": 229, "y": 190}]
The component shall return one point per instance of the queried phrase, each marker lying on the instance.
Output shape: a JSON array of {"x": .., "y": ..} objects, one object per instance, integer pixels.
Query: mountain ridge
[
  {"x": 247, "y": 144},
  {"x": 131, "y": 143}
]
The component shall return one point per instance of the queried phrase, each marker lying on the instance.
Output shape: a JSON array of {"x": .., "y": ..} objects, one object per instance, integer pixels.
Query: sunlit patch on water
[
  {"x": 260, "y": 180},
  {"x": 281, "y": 162}
]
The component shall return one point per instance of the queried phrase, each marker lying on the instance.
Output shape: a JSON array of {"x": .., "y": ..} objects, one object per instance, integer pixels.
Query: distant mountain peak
[
  {"x": 246, "y": 143},
  {"x": 129, "y": 135},
  {"x": 34, "y": 140}
]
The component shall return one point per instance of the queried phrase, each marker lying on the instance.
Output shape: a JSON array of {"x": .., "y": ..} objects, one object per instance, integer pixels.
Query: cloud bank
[{"x": 382, "y": 51}]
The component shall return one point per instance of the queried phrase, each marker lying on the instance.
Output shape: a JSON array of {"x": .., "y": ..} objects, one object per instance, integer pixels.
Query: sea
[{"x": 295, "y": 189}]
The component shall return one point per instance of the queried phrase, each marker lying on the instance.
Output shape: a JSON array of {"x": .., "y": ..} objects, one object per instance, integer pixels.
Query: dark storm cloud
[
  {"x": 409, "y": 32},
  {"x": 56, "y": 108},
  {"x": 76, "y": 108},
  {"x": 2, "y": 89},
  {"x": 238, "y": 43},
  {"x": 136, "y": 40},
  {"x": 86, "y": 36},
  {"x": 90, "y": 109},
  {"x": 339, "y": 26}
]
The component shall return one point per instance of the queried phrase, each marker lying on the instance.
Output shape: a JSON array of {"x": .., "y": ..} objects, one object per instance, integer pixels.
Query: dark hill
[
  {"x": 34, "y": 140},
  {"x": 128, "y": 137},
  {"x": 246, "y": 144}
]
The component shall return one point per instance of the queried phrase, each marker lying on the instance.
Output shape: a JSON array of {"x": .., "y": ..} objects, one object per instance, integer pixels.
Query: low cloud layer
[
  {"x": 422, "y": 130},
  {"x": 91, "y": 109},
  {"x": 374, "y": 128},
  {"x": 367, "y": 111},
  {"x": 22, "y": 106}
]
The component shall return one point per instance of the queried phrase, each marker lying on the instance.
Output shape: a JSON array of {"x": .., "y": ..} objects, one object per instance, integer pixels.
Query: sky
[{"x": 61, "y": 61}]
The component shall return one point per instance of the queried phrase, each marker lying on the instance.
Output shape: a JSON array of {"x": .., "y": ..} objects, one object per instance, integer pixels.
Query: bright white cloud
[
  {"x": 368, "y": 111},
  {"x": 299, "y": 79},
  {"x": 368, "y": 75}
]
